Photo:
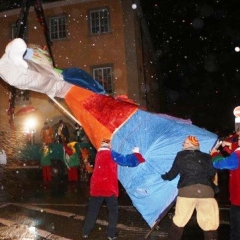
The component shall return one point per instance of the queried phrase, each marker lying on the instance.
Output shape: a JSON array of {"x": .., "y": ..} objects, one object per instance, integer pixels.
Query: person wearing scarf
[{"x": 194, "y": 190}]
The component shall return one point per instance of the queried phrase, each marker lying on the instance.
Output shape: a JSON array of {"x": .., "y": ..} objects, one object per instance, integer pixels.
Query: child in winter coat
[
  {"x": 45, "y": 162},
  {"x": 71, "y": 158}
]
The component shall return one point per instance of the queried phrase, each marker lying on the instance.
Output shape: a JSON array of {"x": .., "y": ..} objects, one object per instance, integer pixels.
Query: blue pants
[
  {"x": 95, "y": 204},
  {"x": 234, "y": 222}
]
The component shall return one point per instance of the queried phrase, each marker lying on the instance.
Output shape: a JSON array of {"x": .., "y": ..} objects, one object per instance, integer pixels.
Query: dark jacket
[{"x": 194, "y": 167}]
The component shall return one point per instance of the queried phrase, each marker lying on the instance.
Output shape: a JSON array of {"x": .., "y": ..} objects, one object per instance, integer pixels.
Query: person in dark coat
[
  {"x": 63, "y": 133},
  {"x": 78, "y": 133},
  {"x": 194, "y": 190}
]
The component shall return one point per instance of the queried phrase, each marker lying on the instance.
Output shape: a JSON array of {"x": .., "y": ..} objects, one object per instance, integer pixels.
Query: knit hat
[
  {"x": 193, "y": 140},
  {"x": 105, "y": 143}
]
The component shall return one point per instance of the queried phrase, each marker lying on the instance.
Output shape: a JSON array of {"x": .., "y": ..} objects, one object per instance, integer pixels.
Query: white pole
[{"x": 66, "y": 111}]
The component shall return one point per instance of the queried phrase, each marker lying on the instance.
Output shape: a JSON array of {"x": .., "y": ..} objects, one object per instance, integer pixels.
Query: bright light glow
[
  {"x": 134, "y": 6},
  {"x": 32, "y": 229},
  {"x": 237, "y": 49},
  {"x": 31, "y": 123},
  {"x": 237, "y": 120}
]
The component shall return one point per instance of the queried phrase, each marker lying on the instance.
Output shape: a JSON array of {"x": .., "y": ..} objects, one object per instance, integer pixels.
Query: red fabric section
[
  {"x": 99, "y": 115},
  {"x": 109, "y": 111},
  {"x": 94, "y": 130}
]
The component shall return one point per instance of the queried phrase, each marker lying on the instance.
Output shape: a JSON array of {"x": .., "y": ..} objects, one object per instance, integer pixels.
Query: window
[
  {"x": 104, "y": 77},
  {"x": 14, "y": 29},
  {"x": 22, "y": 97},
  {"x": 99, "y": 21},
  {"x": 57, "y": 28}
]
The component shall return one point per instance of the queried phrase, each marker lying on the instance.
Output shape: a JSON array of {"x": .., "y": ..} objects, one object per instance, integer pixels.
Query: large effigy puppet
[{"x": 158, "y": 136}]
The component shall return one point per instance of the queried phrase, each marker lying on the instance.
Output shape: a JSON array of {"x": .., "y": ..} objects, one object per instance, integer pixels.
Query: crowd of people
[
  {"x": 196, "y": 169},
  {"x": 61, "y": 133},
  {"x": 196, "y": 185},
  {"x": 77, "y": 161}
]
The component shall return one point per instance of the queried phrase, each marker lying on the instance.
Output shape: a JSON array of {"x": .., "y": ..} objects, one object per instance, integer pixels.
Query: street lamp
[{"x": 31, "y": 128}]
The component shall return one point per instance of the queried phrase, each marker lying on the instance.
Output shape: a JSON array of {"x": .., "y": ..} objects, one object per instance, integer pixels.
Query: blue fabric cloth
[
  {"x": 159, "y": 139},
  {"x": 79, "y": 77}
]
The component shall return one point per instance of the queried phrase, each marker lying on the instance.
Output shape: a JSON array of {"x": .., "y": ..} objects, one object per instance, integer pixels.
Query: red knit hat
[{"x": 193, "y": 140}]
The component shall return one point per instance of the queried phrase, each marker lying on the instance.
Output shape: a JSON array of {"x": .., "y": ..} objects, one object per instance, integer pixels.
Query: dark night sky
[{"x": 200, "y": 69}]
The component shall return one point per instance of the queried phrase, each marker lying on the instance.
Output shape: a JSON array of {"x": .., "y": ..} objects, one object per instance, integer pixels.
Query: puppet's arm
[{"x": 29, "y": 75}]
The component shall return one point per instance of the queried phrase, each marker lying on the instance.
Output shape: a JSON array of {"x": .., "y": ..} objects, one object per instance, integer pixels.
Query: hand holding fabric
[
  {"x": 164, "y": 176},
  {"x": 136, "y": 150},
  {"x": 138, "y": 155}
]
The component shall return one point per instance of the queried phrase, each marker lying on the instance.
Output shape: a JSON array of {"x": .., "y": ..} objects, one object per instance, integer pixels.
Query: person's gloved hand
[
  {"x": 29, "y": 75},
  {"x": 164, "y": 176},
  {"x": 139, "y": 156},
  {"x": 135, "y": 150}
]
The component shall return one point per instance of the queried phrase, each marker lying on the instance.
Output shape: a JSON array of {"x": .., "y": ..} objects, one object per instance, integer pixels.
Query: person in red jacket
[
  {"x": 104, "y": 186},
  {"x": 232, "y": 163}
]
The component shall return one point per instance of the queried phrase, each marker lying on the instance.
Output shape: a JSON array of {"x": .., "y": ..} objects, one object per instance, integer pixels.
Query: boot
[
  {"x": 175, "y": 232},
  {"x": 211, "y": 235}
]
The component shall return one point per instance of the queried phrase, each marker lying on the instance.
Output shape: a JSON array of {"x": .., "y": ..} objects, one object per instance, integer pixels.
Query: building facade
[{"x": 107, "y": 38}]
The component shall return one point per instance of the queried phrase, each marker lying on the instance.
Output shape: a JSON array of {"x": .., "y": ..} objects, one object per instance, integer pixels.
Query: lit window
[
  {"x": 99, "y": 21},
  {"x": 57, "y": 28},
  {"x": 104, "y": 77}
]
